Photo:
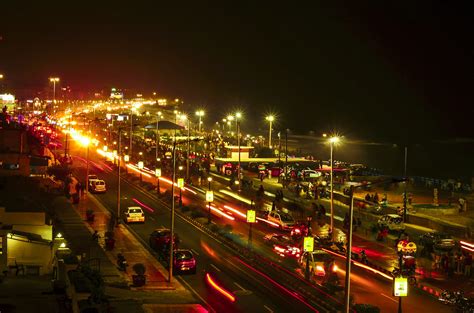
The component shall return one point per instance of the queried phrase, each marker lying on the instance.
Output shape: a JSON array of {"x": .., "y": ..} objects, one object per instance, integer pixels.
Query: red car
[{"x": 184, "y": 261}]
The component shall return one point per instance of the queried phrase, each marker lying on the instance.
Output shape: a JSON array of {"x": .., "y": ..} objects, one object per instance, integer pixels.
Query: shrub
[
  {"x": 197, "y": 213},
  {"x": 227, "y": 228},
  {"x": 366, "y": 308},
  {"x": 185, "y": 209},
  {"x": 139, "y": 269}
]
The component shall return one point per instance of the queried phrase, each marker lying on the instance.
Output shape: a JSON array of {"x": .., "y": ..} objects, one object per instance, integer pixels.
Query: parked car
[
  {"x": 160, "y": 239},
  {"x": 438, "y": 241},
  {"x": 392, "y": 222},
  {"x": 134, "y": 214},
  {"x": 321, "y": 263},
  {"x": 283, "y": 220},
  {"x": 184, "y": 261},
  {"x": 283, "y": 245},
  {"x": 97, "y": 186}
]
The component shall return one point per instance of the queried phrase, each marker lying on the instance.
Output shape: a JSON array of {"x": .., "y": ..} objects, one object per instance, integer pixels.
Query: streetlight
[
  {"x": 157, "y": 135},
  {"x": 200, "y": 113},
  {"x": 270, "y": 119},
  {"x": 53, "y": 80},
  {"x": 209, "y": 199},
  {"x": 238, "y": 116},
  {"x": 184, "y": 117},
  {"x": 158, "y": 175},
  {"x": 332, "y": 141},
  {"x": 140, "y": 167},
  {"x": 180, "y": 186}
]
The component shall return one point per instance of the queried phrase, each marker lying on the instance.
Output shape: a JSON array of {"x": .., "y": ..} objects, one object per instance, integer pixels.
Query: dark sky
[{"x": 391, "y": 72}]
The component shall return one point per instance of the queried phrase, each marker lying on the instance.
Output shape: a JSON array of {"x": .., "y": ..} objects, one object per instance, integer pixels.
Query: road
[{"x": 253, "y": 291}]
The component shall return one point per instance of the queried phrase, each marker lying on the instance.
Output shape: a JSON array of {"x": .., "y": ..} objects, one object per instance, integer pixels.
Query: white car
[
  {"x": 392, "y": 222},
  {"x": 97, "y": 186},
  {"x": 283, "y": 220},
  {"x": 134, "y": 214}
]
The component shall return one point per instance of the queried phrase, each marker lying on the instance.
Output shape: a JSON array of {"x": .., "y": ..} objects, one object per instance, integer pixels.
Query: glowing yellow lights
[
  {"x": 53, "y": 79},
  {"x": 105, "y": 148},
  {"x": 126, "y": 158},
  {"x": 270, "y": 118},
  {"x": 62, "y": 245},
  {"x": 230, "y": 117},
  {"x": 209, "y": 179},
  {"x": 59, "y": 235},
  {"x": 334, "y": 139},
  {"x": 200, "y": 113},
  {"x": 140, "y": 165},
  {"x": 238, "y": 115},
  {"x": 183, "y": 117}
]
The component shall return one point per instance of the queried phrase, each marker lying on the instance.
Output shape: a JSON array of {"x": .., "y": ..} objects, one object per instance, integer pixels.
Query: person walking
[{"x": 467, "y": 265}]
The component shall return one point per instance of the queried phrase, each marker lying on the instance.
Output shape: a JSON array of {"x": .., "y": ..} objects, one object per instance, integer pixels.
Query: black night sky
[{"x": 397, "y": 73}]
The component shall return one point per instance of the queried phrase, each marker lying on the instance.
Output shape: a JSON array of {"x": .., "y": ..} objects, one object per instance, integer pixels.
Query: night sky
[{"x": 397, "y": 73}]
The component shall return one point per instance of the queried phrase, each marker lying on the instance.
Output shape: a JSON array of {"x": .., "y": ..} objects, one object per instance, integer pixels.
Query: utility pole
[
  {"x": 170, "y": 277},
  {"x": 118, "y": 177}
]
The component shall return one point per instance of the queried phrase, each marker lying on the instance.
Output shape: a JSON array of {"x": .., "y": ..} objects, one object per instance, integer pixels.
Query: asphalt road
[{"x": 253, "y": 291}]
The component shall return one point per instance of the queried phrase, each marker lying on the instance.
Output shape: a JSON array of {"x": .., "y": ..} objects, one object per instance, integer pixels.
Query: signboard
[
  {"x": 406, "y": 247},
  {"x": 251, "y": 217},
  {"x": 400, "y": 287},
  {"x": 158, "y": 172},
  {"x": 308, "y": 244},
  {"x": 180, "y": 182},
  {"x": 209, "y": 196},
  {"x": 140, "y": 164},
  {"x": 126, "y": 158}
]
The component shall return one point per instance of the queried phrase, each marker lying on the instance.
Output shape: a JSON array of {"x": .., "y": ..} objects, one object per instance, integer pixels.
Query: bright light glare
[
  {"x": 224, "y": 292},
  {"x": 334, "y": 139}
]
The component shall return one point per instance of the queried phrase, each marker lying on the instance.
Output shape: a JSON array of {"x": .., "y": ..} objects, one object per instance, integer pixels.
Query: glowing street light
[
  {"x": 200, "y": 114},
  {"x": 157, "y": 135},
  {"x": 332, "y": 140},
  {"x": 53, "y": 80},
  {"x": 270, "y": 119},
  {"x": 238, "y": 116}
]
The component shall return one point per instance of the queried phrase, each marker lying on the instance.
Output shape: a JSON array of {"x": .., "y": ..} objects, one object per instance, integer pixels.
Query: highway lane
[
  {"x": 367, "y": 287},
  {"x": 253, "y": 292}
]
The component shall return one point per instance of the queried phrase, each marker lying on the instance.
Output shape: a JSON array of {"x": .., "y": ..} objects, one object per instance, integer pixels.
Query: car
[
  {"x": 321, "y": 263},
  {"x": 184, "y": 261},
  {"x": 438, "y": 241},
  {"x": 159, "y": 239},
  {"x": 393, "y": 222},
  {"x": 97, "y": 186},
  {"x": 92, "y": 177},
  {"x": 282, "y": 219},
  {"x": 283, "y": 245},
  {"x": 134, "y": 214}
]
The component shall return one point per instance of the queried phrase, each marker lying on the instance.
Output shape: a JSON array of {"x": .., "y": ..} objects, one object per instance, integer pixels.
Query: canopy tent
[{"x": 164, "y": 125}]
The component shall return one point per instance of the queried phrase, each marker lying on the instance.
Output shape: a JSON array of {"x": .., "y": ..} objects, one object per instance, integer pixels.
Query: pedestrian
[
  {"x": 467, "y": 265},
  {"x": 376, "y": 198}
]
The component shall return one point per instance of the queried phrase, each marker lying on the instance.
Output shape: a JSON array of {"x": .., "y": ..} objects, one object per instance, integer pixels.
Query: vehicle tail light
[{"x": 320, "y": 270}]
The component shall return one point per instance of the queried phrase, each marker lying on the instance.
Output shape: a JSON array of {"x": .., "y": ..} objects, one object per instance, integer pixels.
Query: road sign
[
  {"x": 400, "y": 287},
  {"x": 126, "y": 158},
  {"x": 209, "y": 196},
  {"x": 180, "y": 182},
  {"x": 158, "y": 172},
  {"x": 251, "y": 216},
  {"x": 308, "y": 244},
  {"x": 140, "y": 165},
  {"x": 406, "y": 247}
]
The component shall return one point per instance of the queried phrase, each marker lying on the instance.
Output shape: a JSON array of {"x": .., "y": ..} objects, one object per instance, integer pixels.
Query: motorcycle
[{"x": 122, "y": 263}]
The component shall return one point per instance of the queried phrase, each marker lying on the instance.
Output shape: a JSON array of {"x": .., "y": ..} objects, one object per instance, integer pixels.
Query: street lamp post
[
  {"x": 200, "y": 114},
  {"x": 238, "y": 115},
  {"x": 158, "y": 175},
  {"x": 286, "y": 154},
  {"x": 332, "y": 141},
  {"x": 405, "y": 189},
  {"x": 157, "y": 136},
  {"x": 131, "y": 133},
  {"x": 270, "y": 120},
  {"x": 118, "y": 176},
  {"x": 209, "y": 179},
  {"x": 54, "y": 80}
]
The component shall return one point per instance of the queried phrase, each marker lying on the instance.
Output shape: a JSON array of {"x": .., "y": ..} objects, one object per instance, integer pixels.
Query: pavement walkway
[{"x": 123, "y": 296}]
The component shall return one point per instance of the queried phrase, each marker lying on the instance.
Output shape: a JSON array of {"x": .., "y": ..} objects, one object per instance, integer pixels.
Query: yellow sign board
[
  {"x": 158, "y": 172},
  {"x": 180, "y": 182},
  {"x": 209, "y": 196},
  {"x": 251, "y": 218},
  {"x": 400, "y": 287},
  {"x": 140, "y": 165},
  {"x": 308, "y": 244}
]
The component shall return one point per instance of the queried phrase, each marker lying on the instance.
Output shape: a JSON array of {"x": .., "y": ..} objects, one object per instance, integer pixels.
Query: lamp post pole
[
  {"x": 157, "y": 139},
  {"x": 170, "y": 277},
  {"x": 188, "y": 149},
  {"x": 270, "y": 133},
  {"x": 131, "y": 133},
  {"x": 332, "y": 186},
  {"x": 118, "y": 177},
  {"x": 405, "y": 191},
  {"x": 349, "y": 253},
  {"x": 238, "y": 144},
  {"x": 286, "y": 154},
  {"x": 209, "y": 179}
]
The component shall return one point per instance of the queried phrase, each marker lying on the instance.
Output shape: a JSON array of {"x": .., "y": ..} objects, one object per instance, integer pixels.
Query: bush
[
  {"x": 185, "y": 209},
  {"x": 366, "y": 308},
  {"x": 227, "y": 228},
  {"x": 214, "y": 228},
  {"x": 196, "y": 213},
  {"x": 139, "y": 269}
]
